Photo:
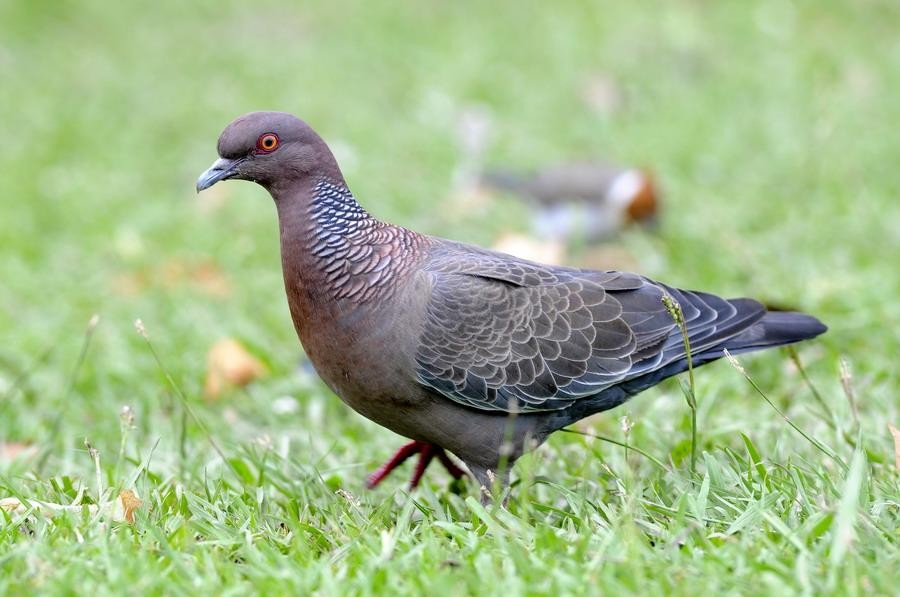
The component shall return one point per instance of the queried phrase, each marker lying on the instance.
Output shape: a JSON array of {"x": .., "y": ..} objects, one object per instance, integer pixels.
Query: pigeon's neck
[
  {"x": 334, "y": 250},
  {"x": 336, "y": 214}
]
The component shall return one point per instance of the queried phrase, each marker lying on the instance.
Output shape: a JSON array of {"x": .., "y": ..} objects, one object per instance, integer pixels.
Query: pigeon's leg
[
  {"x": 451, "y": 467},
  {"x": 399, "y": 458},
  {"x": 425, "y": 457},
  {"x": 426, "y": 452}
]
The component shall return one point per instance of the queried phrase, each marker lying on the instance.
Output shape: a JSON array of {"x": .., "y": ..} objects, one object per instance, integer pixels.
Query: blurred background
[{"x": 769, "y": 127}]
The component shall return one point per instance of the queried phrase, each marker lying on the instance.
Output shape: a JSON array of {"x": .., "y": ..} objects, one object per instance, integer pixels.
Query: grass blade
[{"x": 819, "y": 445}]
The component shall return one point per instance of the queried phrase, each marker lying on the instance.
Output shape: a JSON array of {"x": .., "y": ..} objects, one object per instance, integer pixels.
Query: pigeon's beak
[{"x": 222, "y": 169}]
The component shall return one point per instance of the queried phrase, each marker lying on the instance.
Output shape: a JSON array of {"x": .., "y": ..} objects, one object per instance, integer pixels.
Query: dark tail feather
[{"x": 776, "y": 328}]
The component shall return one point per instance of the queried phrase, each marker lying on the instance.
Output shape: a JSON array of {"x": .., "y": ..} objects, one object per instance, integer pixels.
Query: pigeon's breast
[{"x": 364, "y": 351}]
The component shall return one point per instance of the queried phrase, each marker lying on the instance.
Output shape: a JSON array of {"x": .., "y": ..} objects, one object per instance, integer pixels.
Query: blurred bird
[{"x": 582, "y": 201}]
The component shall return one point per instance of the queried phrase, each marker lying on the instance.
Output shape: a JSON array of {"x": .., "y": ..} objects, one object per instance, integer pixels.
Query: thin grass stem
[
  {"x": 649, "y": 457},
  {"x": 819, "y": 445},
  {"x": 689, "y": 392},
  {"x": 139, "y": 326}
]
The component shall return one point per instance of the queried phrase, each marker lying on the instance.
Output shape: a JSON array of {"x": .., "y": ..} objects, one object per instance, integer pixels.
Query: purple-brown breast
[{"x": 347, "y": 276}]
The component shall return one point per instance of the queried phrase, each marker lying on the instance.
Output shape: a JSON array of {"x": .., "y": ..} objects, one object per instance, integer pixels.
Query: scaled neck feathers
[{"x": 343, "y": 251}]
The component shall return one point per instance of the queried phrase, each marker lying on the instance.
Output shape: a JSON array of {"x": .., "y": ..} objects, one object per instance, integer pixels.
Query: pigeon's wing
[{"x": 508, "y": 335}]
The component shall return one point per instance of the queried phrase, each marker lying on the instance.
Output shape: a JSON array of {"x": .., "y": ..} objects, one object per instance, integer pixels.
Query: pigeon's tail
[
  {"x": 776, "y": 328},
  {"x": 773, "y": 328}
]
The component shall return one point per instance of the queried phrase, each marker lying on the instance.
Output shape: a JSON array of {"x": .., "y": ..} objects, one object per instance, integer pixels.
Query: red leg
[
  {"x": 399, "y": 458},
  {"x": 451, "y": 467},
  {"x": 425, "y": 457},
  {"x": 426, "y": 452}
]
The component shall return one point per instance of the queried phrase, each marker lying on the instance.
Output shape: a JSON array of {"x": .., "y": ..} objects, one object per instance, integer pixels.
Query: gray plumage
[{"x": 457, "y": 347}]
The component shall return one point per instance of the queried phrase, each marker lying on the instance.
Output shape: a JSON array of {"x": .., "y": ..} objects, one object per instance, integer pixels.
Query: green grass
[{"x": 772, "y": 127}]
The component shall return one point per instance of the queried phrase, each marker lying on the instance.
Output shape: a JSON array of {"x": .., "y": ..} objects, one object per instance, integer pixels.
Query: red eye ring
[{"x": 267, "y": 143}]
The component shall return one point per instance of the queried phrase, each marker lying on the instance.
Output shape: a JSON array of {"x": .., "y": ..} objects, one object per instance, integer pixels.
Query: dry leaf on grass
[
  {"x": 128, "y": 502},
  {"x": 466, "y": 201},
  {"x": 120, "y": 509},
  {"x": 203, "y": 276},
  {"x": 542, "y": 251},
  {"x": 229, "y": 365},
  {"x": 10, "y": 451},
  {"x": 896, "y": 433},
  {"x": 606, "y": 257}
]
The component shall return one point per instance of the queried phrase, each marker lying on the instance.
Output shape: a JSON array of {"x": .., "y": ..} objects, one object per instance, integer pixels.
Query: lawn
[{"x": 771, "y": 126}]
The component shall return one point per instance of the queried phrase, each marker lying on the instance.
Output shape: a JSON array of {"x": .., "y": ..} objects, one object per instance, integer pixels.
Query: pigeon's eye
[{"x": 267, "y": 143}]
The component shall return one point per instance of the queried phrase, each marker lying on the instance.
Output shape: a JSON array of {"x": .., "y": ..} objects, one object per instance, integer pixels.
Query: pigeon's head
[{"x": 273, "y": 149}]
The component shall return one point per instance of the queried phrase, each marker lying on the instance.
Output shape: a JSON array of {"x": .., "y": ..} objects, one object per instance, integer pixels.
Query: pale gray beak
[{"x": 222, "y": 169}]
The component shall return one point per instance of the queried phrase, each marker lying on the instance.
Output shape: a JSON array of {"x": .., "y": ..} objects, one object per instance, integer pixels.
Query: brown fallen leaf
[
  {"x": 604, "y": 257},
  {"x": 466, "y": 201},
  {"x": 204, "y": 276},
  {"x": 10, "y": 451},
  {"x": 229, "y": 365},
  {"x": 129, "y": 502},
  {"x": 120, "y": 510},
  {"x": 128, "y": 284},
  {"x": 542, "y": 251},
  {"x": 896, "y": 433}
]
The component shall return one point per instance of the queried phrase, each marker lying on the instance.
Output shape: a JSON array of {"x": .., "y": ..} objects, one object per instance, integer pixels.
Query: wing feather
[{"x": 508, "y": 335}]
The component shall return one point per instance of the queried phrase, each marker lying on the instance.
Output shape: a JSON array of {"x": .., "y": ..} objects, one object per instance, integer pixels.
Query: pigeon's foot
[{"x": 426, "y": 452}]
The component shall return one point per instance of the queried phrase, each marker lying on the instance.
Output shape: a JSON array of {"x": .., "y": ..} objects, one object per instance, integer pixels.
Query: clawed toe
[{"x": 426, "y": 452}]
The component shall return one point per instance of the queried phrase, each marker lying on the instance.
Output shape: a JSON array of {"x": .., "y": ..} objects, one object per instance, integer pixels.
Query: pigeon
[
  {"x": 460, "y": 349},
  {"x": 589, "y": 201}
]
